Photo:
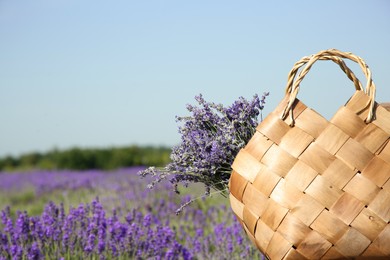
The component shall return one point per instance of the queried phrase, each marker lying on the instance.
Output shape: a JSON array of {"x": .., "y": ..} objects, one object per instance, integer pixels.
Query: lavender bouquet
[{"x": 211, "y": 137}]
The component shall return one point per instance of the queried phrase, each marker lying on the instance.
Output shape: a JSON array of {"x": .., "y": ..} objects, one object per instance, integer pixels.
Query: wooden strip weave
[{"x": 319, "y": 188}]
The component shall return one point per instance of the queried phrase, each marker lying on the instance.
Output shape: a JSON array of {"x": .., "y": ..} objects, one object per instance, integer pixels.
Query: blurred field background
[
  {"x": 78, "y": 188},
  {"x": 92, "y": 158}
]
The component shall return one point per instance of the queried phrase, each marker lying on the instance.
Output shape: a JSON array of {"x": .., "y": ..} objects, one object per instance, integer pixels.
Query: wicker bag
[{"x": 307, "y": 188}]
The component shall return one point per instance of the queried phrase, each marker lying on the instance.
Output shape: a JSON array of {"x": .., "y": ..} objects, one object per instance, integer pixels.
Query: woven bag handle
[
  {"x": 292, "y": 87},
  {"x": 292, "y": 74}
]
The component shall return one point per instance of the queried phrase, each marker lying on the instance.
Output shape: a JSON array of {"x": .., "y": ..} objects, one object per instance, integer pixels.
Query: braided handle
[
  {"x": 336, "y": 56},
  {"x": 292, "y": 74}
]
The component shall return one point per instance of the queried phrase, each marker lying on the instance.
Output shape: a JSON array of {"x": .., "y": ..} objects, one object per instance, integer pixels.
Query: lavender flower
[
  {"x": 143, "y": 228},
  {"x": 211, "y": 137},
  {"x": 34, "y": 253}
]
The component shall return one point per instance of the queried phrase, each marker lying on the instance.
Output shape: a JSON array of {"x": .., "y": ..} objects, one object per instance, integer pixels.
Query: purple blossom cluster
[
  {"x": 126, "y": 222},
  {"x": 210, "y": 139},
  {"x": 87, "y": 231}
]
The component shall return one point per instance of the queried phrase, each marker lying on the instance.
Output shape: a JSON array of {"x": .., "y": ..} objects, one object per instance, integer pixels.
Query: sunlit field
[{"x": 112, "y": 215}]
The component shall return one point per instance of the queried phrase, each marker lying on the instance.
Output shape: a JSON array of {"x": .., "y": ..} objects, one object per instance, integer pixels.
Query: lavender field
[{"x": 112, "y": 215}]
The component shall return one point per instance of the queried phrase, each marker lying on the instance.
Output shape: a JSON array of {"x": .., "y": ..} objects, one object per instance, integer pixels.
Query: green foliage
[
  {"x": 8, "y": 163},
  {"x": 82, "y": 159}
]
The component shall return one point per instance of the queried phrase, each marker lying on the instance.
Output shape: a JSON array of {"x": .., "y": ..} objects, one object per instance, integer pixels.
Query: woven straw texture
[{"x": 308, "y": 188}]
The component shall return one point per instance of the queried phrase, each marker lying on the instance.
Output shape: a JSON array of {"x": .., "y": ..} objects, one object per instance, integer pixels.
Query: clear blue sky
[{"x": 103, "y": 73}]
